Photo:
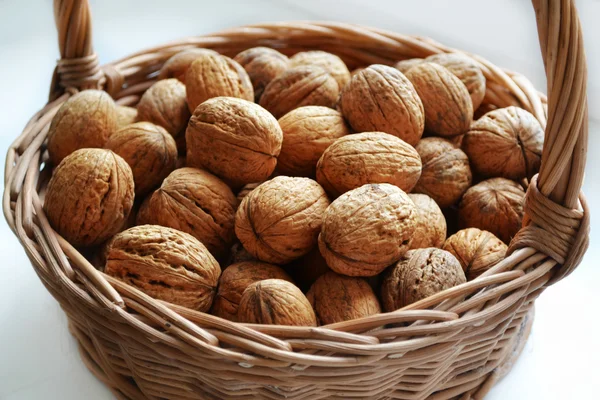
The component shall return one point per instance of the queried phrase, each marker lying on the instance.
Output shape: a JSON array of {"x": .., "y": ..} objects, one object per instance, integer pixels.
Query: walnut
[
  {"x": 214, "y": 75},
  {"x": 420, "y": 273},
  {"x": 483, "y": 109},
  {"x": 431, "y": 223},
  {"x": 235, "y": 139},
  {"x": 355, "y": 71},
  {"x": 262, "y": 65},
  {"x": 196, "y": 202},
  {"x": 149, "y": 150},
  {"x": 446, "y": 173},
  {"x": 177, "y": 65},
  {"x": 166, "y": 264},
  {"x": 467, "y": 70},
  {"x": 506, "y": 142},
  {"x": 126, "y": 116},
  {"x": 495, "y": 205},
  {"x": 307, "y": 132},
  {"x": 280, "y": 220},
  {"x": 297, "y": 87},
  {"x": 370, "y": 157},
  {"x": 446, "y": 100},
  {"x": 235, "y": 279},
  {"x": 329, "y": 62},
  {"x": 307, "y": 269},
  {"x": 85, "y": 120},
  {"x": 476, "y": 250},
  {"x": 404, "y": 65},
  {"x": 380, "y": 98},
  {"x": 275, "y": 302},
  {"x": 337, "y": 298},
  {"x": 239, "y": 254},
  {"x": 89, "y": 196},
  {"x": 245, "y": 190},
  {"x": 367, "y": 229}
]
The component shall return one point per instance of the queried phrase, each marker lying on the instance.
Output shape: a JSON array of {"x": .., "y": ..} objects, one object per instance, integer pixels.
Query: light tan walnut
[
  {"x": 126, "y": 116},
  {"x": 431, "y": 223},
  {"x": 329, "y": 62},
  {"x": 89, "y": 196},
  {"x": 262, "y": 64},
  {"x": 404, "y": 65},
  {"x": 166, "y": 264},
  {"x": 177, "y": 65},
  {"x": 380, "y": 98}
]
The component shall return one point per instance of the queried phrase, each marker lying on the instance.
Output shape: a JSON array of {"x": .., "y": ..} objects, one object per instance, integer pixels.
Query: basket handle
[{"x": 557, "y": 219}]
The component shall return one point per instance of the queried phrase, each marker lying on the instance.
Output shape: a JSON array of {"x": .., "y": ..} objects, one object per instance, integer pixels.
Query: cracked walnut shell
[
  {"x": 166, "y": 264},
  {"x": 431, "y": 223},
  {"x": 177, "y": 65},
  {"x": 280, "y": 220},
  {"x": 420, "y": 273},
  {"x": 275, "y": 302},
  {"x": 262, "y": 65},
  {"x": 329, "y": 62},
  {"x": 367, "y": 229},
  {"x": 89, "y": 196},
  {"x": 370, "y": 157}
]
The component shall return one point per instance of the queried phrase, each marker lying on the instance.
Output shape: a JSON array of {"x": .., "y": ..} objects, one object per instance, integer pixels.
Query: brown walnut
[
  {"x": 126, "y": 116},
  {"x": 404, "y": 65},
  {"x": 483, "y": 109},
  {"x": 329, "y": 62},
  {"x": 245, "y": 190},
  {"x": 262, "y": 65},
  {"x": 431, "y": 223},
  {"x": 239, "y": 254},
  {"x": 307, "y": 269},
  {"x": 177, "y": 65}
]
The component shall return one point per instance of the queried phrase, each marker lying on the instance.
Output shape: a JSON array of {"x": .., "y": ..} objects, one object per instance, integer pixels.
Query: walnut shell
[
  {"x": 506, "y": 142},
  {"x": 196, "y": 202},
  {"x": 307, "y": 132},
  {"x": 420, "y": 273},
  {"x": 476, "y": 250},
  {"x": 85, "y": 120},
  {"x": 165, "y": 104},
  {"x": 370, "y": 157},
  {"x": 177, "y": 65},
  {"x": 297, "y": 87},
  {"x": 404, "y": 65},
  {"x": 495, "y": 205},
  {"x": 126, "y": 116},
  {"x": 235, "y": 139},
  {"x": 446, "y": 173},
  {"x": 367, "y": 229},
  {"x": 380, "y": 98},
  {"x": 239, "y": 254},
  {"x": 465, "y": 69},
  {"x": 280, "y": 220},
  {"x": 235, "y": 279},
  {"x": 262, "y": 65},
  {"x": 166, "y": 264},
  {"x": 483, "y": 109},
  {"x": 431, "y": 223},
  {"x": 214, "y": 75},
  {"x": 89, "y": 196},
  {"x": 275, "y": 302},
  {"x": 338, "y": 298},
  {"x": 329, "y": 62},
  {"x": 446, "y": 100},
  {"x": 307, "y": 269},
  {"x": 149, "y": 150}
]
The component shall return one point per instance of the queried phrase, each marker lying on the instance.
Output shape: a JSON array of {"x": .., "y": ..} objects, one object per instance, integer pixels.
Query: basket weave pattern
[{"x": 451, "y": 345}]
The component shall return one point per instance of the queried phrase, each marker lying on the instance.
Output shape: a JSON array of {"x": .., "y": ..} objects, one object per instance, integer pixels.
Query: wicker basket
[{"x": 455, "y": 344}]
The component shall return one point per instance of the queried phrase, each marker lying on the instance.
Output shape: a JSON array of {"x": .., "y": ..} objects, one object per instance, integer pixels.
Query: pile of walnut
[{"x": 276, "y": 190}]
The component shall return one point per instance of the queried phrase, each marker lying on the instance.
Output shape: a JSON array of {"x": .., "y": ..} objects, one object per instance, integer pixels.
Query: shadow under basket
[{"x": 453, "y": 345}]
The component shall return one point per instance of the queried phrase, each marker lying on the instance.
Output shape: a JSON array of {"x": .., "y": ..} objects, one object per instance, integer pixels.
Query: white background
[{"x": 38, "y": 357}]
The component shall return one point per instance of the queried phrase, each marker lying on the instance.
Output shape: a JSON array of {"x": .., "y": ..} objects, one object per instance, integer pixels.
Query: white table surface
[{"x": 38, "y": 357}]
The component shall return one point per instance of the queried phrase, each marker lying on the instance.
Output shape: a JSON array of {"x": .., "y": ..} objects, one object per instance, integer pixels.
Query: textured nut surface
[
  {"x": 476, "y": 250},
  {"x": 85, "y": 120},
  {"x": 280, "y": 220},
  {"x": 235, "y": 139},
  {"x": 431, "y": 223},
  {"x": 214, "y": 75},
  {"x": 307, "y": 132},
  {"x": 149, "y": 150},
  {"x": 235, "y": 279},
  {"x": 177, "y": 65},
  {"x": 247, "y": 188},
  {"x": 165, "y": 104},
  {"x": 380, "y": 98},
  {"x": 89, "y": 196},
  {"x": 329, "y": 62},
  {"x": 465, "y": 69},
  {"x": 165, "y": 264},
  {"x": 367, "y": 229},
  {"x": 506, "y": 142},
  {"x": 239, "y": 254},
  {"x": 370, "y": 157},
  {"x": 275, "y": 302},
  {"x": 446, "y": 173},
  {"x": 307, "y": 269},
  {"x": 262, "y": 65},
  {"x": 196, "y": 202},
  {"x": 337, "y": 298},
  {"x": 446, "y": 100},
  {"x": 495, "y": 205},
  {"x": 419, "y": 274},
  {"x": 297, "y": 87},
  {"x": 404, "y": 65},
  {"x": 126, "y": 116}
]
